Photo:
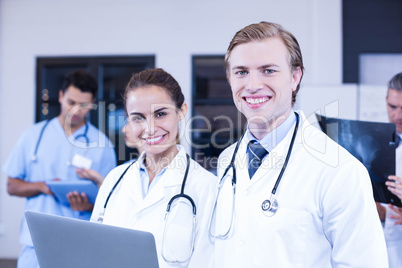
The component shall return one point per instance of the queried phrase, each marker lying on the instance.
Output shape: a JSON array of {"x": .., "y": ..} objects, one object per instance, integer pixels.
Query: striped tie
[{"x": 256, "y": 154}]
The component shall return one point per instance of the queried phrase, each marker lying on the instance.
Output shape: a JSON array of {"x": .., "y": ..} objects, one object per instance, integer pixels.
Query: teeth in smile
[
  {"x": 256, "y": 100},
  {"x": 154, "y": 139}
]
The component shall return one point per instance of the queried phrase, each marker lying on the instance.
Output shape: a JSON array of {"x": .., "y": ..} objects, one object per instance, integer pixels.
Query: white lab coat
[
  {"x": 326, "y": 216},
  {"x": 393, "y": 233},
  {"x": 127, "y": 208}
]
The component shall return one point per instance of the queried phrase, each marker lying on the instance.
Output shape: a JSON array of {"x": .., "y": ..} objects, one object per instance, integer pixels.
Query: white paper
[{"x": 80, "y": 161}]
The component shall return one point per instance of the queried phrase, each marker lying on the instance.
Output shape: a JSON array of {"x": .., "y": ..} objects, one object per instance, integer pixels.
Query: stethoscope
[
  {"x": 34, "y": 157},
  {"x": 168, "y": 208},
  {"x": 268, "y": 206}
]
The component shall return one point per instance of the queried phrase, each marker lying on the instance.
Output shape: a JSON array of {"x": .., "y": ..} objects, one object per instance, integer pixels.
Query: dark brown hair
[
  {"x": 156, "y": 77},
  {"x": 82, "y": 80}
]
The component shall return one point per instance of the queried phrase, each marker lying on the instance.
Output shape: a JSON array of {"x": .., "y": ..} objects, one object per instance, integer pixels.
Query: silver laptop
[{"x": 65, "y": 243}]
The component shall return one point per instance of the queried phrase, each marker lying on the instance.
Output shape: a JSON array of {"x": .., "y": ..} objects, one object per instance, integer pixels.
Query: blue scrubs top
[{"x": 54, "y": 152}]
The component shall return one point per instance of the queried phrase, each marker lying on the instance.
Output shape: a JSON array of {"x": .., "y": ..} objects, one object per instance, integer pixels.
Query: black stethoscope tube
[
  {"x": 117, "y": 183},
  {"x": 287, "y": 156},
  {"x": 278, "y": 180},
  {"x": 171, "y": 200}
]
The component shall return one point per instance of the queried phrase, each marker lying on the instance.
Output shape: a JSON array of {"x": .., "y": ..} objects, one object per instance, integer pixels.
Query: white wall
[{"x": 172, "y": 30}]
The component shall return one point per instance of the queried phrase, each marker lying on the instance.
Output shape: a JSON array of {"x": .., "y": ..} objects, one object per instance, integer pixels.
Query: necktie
[
  {"x": 256, "y": 154},
  {"x": 397, "y": 140}
]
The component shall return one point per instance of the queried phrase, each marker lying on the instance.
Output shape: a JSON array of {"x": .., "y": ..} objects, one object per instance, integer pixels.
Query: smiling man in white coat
[{"x": 289, "y": 196}]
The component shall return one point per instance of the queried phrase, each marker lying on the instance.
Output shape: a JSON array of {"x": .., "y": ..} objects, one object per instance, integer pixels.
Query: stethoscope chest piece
[{"x": 269, "y": 207}]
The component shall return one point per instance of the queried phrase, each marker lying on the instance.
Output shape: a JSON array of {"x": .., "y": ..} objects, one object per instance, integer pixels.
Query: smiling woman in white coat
[
  {"x": 309, "y": 203},
  {"x": 137, "y": 195}
]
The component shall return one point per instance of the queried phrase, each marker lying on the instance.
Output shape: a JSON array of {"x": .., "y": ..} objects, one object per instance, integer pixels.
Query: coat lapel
[
  {"x": 242, "y": 177},
  {"x": 133, "y": 185}
]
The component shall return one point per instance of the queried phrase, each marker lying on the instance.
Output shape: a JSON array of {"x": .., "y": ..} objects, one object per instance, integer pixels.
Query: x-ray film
[{"x": 373, "y": 144}]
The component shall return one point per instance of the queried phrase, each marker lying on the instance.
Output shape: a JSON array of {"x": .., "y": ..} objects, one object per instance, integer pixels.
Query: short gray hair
[{"x": 396, "y": 82}]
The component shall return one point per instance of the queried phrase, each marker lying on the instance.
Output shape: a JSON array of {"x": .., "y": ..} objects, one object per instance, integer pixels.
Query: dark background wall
[{"x": 369, "y": 26}]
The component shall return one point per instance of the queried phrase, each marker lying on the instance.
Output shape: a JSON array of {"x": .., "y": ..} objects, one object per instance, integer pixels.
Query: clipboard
[
  {"x": 373, "y": 144},
  {"x": 60, "y": 189}
]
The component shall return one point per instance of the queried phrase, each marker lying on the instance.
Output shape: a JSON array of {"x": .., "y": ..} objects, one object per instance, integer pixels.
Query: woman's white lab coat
[
  {"x": 127, "y": 208},
  {"x": 326, "y": 216}
]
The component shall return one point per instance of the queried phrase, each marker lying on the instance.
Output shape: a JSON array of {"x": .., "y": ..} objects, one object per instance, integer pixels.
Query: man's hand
[
  {"x": 395, "y": 185},
  {"x": 79, "y": 202},
  {"x": 19, "y": 187},
  {"x": 90, "y": 174},
  {"x": 398, "y": 211}
]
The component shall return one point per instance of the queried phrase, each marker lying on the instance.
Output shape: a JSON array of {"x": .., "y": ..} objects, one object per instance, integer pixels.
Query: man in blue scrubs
[{"x": 45, "y": 152}]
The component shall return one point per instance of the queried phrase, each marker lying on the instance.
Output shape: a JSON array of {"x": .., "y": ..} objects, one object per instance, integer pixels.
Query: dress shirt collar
[{"x": 272, "y": 139}]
